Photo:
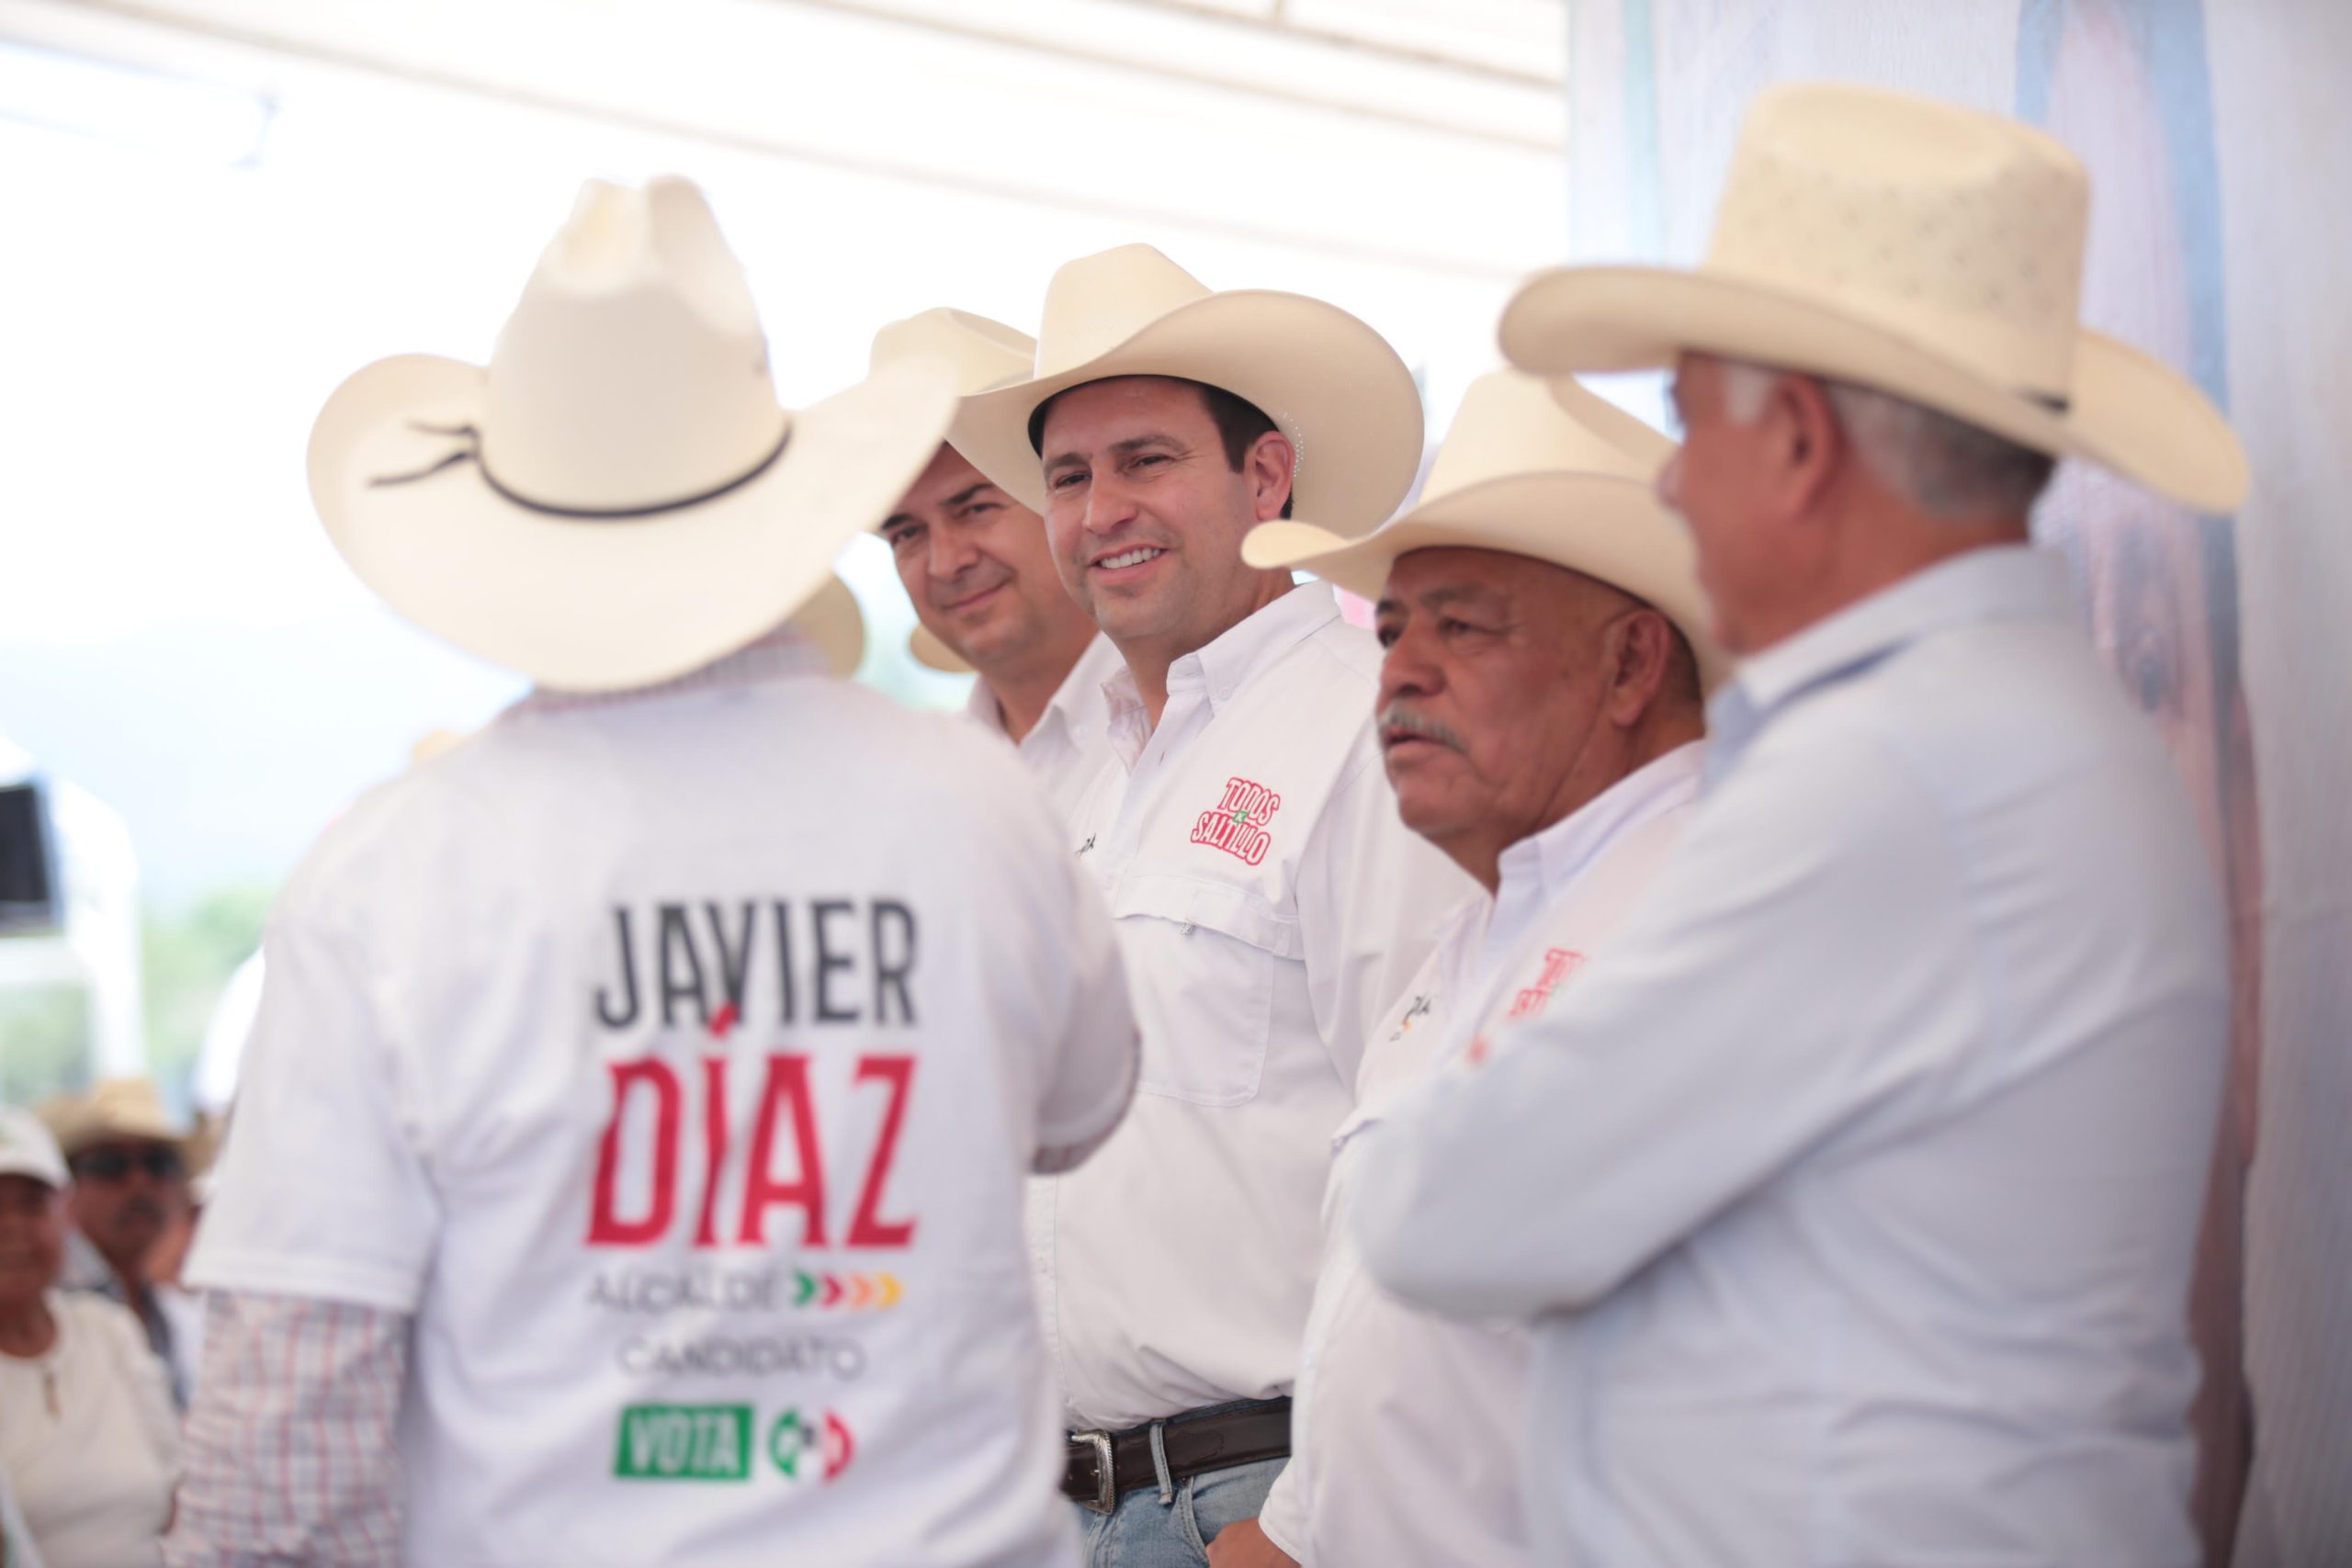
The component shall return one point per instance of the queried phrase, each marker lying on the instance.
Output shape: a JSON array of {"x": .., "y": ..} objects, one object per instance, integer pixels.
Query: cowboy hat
[
  {"x": 1557, "y": 473},
  {"x": 615, "y": 498},
  {"x": 984, "y": 353},
  {"x": 1333, "y": 385},
  {"x": 1932, "y": 252},
  {"x": 114, "y": 1109}
]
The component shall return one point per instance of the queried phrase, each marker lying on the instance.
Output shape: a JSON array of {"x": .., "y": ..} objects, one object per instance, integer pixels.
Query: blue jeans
[{"x": 1144, "y": 1532}]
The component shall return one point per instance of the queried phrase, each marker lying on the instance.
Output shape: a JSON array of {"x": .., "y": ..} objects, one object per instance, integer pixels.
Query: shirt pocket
[{"x": 1206, "y": 956}]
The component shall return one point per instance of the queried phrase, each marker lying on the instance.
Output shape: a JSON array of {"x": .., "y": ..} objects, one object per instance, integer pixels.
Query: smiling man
[
  {"x": 981, "y": 575},
  {"x": 1270, "y": 906},
  {"x": 1539, "y": 720}
]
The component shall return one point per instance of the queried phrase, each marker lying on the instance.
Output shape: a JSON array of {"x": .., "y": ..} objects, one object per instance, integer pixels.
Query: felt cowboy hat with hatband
[
  {"x": 616, "y": 497},
  {"x": 1554, "y": 472},
  {"x": 1330, "y": 383},
  {"x": 1928, "y": 251},
  {"x": 984, "y": 355}
]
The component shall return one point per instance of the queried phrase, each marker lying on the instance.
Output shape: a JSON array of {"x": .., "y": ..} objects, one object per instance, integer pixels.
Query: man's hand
[{"x": 1243, "y": 1545}]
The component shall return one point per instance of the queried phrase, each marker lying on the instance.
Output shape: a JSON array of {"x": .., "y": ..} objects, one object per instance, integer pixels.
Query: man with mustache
[
  {"x": 1268, "y": 904},
  {"x": 980, "y": 576},
  {"x": 130, "y": 1187},
  {"x": 1539, "y": 720}
]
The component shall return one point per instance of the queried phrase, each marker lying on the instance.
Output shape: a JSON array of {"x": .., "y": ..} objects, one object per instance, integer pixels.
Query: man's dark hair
[{"x": 1238, "y": 423}]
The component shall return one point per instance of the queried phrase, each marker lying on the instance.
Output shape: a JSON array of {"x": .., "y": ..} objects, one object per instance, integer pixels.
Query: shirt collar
[
  {"x": 781, "y": 653},
  {"x": 2001, "y": 582},
  {"x": 1551, "y": 860},
  {"x": 1223, "y": 666},
  {"x": 1083, "y": 684}
]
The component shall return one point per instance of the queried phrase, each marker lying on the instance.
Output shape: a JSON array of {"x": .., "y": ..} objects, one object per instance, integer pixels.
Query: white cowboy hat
[
  {"x": 1522, "y": 473},
  {"x": 985, "y": 354},
  {"x": 616, "y": 498},
  {"x": 1332, "y": 384},
  {"x": 1932, "y": 252}
]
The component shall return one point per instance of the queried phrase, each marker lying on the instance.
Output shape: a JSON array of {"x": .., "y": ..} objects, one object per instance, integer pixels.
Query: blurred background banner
[{"x": 2205, "y": 127}]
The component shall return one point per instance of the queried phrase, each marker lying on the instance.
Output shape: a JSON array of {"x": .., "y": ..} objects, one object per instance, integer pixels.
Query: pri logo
[
  {"x": 1237, "y": 825},
  {"x": 1559, "y": 963}
]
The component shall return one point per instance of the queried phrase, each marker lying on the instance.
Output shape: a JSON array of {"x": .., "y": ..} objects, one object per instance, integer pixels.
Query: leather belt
[{"x": 1102, "y": 1464}]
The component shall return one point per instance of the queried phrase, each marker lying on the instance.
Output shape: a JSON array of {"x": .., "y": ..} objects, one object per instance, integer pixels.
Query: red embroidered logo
[
  {"x": 1238, "y": 826},
  {"x": 1558, "y": 965}
]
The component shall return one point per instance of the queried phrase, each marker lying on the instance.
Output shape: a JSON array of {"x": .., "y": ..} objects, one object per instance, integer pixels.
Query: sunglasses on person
[{"x": 114, "y": 1165}]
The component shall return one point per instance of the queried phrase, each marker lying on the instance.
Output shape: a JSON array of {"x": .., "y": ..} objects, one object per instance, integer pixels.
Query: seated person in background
[
  {"x": 130, "y": 1163},
  {"x": 1540, "y": 718},
  {"x": 89, "y": 1445}
]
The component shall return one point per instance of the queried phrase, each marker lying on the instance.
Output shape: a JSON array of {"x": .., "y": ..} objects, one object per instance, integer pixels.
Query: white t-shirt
[
  {"x": 677, "y": 1059},
  {"x": 88, "y": 1438}
]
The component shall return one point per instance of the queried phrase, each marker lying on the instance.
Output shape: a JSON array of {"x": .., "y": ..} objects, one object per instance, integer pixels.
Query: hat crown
[
  {"x": 983, "y": 352},
  {"x": 633, "y": 372},
  {"x": 1097, "y": 302},
  {"x": 1960, "y": 230},
  {"x": 1513, "y": 423}
]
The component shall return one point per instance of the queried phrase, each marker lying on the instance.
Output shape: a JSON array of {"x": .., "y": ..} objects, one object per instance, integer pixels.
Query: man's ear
[
  {"x": 1807, "y": 442},
  {"x": 1640, "y": 647},
  {"x": 1272, "y": 466}
]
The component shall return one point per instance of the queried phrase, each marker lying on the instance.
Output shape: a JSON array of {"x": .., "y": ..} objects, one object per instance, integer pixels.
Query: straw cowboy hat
[
  {"x": 616, "y": 497},
  {"x": 984, "y": 353},
  {"x": 1332, "y": 384},
  {"x": 114, "y": 1109},
  {"x": 1932, "y": 252},
  {"x": 1554, "y": 472}
]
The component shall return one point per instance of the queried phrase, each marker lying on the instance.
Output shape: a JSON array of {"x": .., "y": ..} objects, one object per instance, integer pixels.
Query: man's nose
[
  {"x": 1408, "y": 668},
  {"x": 1109, "y": 505},
  {"x": 950, "y": 554}
]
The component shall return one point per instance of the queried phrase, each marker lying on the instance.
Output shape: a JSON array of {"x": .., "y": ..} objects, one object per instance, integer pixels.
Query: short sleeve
[{"x": 319, "y": 1192}]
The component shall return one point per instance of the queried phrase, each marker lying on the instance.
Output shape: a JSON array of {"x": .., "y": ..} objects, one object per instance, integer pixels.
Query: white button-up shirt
[
  {"x": 1071, "y": 743},
  {"x": 1854, "y": 1185},
  {"x": 677, "y": 1060},
  {"x": 1270, "y": 906},
  {"x": 1405, "y": 1426}
]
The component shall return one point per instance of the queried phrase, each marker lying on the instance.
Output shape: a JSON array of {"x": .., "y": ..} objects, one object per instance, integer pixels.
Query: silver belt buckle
[{"x": 1106, "y": 1497}]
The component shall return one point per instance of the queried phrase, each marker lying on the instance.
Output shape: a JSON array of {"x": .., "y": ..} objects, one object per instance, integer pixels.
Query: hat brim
[
  {"x": 1334, "y": 386},
  {"x": 1604, "y": 526},
  {"x": 2125, "y": 410},
  {"x": 602, "y": 605},
  {"x": 833, "y": 621},
  {"x": 931, "y": 653}
]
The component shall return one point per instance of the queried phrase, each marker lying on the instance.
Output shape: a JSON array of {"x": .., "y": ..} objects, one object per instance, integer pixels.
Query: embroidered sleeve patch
[{"x": 1238, "y": 823}]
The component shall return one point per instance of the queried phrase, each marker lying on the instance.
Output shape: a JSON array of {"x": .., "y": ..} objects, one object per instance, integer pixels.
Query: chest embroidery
[
  {"x": 1559, "y": 963},
  {"x": 1422, "y": 1003},
  {"x": 1238, "y": 823}
]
